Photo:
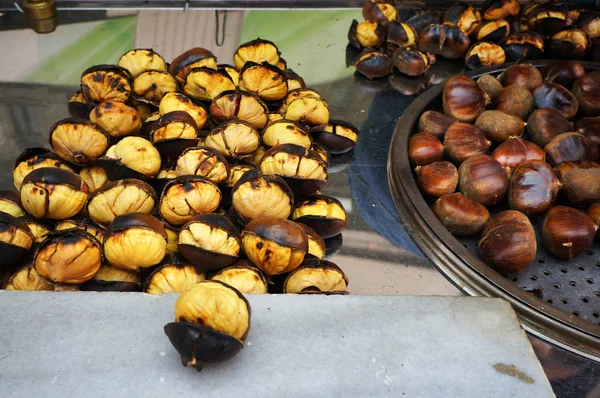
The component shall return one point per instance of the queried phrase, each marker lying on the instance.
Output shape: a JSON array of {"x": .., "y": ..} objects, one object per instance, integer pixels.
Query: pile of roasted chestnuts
[
  {"x": 497, "y": 32},
  {"x": 167, "y": 175},
  {"x": 527, "y": 140}
]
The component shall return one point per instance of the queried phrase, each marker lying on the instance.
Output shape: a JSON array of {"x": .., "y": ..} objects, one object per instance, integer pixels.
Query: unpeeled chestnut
[
  {"x": 464, "y": 140},
  {"x": 564, "y": 73},
  {"x": 424, "y": 148},
  {"x": 568, "y": 232},
  {"x": 435, "y": 123},
  {"x": 437, "y": 179},
  {"x": 545, "y": 124},
  {"x": 594, "y": 213},
  {"x": 555, "y": 96},
  {"x": 525, "y": 75},
  {"x": 498, "y": 126},
  {"x": 570, "y": 147},
  {"x": 483, "y": 179},
  {"x": 516, "y": 100},
  {"x": 533, "y": 188},
  {"x": 508, "y": 242},
  {"x": 463, "y": 99},
  {"x": 590, "y": 127},
  {"x": 460, "y": 215},
  {"x": 514, "y": 151},
  {"x": 587, "y": 91},
  {"x": 580, "y": 180}
]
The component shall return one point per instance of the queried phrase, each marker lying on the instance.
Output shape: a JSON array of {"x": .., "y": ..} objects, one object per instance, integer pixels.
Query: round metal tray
[{"x": 556, "y": 300}]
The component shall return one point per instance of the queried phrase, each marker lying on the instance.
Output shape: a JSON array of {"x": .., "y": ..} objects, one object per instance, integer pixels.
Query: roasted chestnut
[
  {"x": 570, "y": 147},
  {"x": 35, "y": 158},
  {"x": 135, "y": 240},
  {"x": 94, "y": 177},
  {"x": 121, "y": 197},
  {"x": 412, "y": 62},
  {"x": 132, "y": 157},
  {"x": 570, "y": 43},
  {"x": 70, "y": 256},
  {"x": 77, "y": 141},
  {"x": 435, "y": 123},
  {"x": 196, "y": 57},
  {"x": 590, "y": 127},
  {"x": 499, "y": 9},
  {"x": 212, "y": 323},
  {"x": 548, "y": 18},
  {"x": 236, "y": 172},
  {"x": 589, "y": 22},
  {"x": 258, "y": 51},
  {"x": 374, "y": 64},
  {"x": 205, "y": 84},
  {"x": 514, "y": 151},
  {"x": 545, "y": 124},
  {"x": 243, "y": 276},
  {"x": 85, "y": 224},
  {"x": 27, "y": 278},
  {"x": 525, "y": 75},
  {"x": 138, "y": 60},
  {"x": 316, "y": 276},
  {"x": 203, "y": 161},
  {"x": 555, "y": 96},
  {"x": 284, "y": 131},
  {"x": 587, "y": 91},
  {"x": 239, "y": 105},
  {"x": 101, "y": 83},
  {"x": 274, "y": 245},
  {"x": 324, "y": 214},
  {"x": 143, "y": 109},
  {"x": 424, "y": 148},
  {"x": 484, "y": 53},
  {"x": 494, "y": 31},
  {"x": 233, "y": 73},
  {"x": 564, "y": 73},
  {"x": 172, "y": 237},
  {"x": 180, "y": 102},
  {"x": 338, "y": 136},
  {"x": 424, "y": 18},
  {"x": 311, "y": 113},
  {"x": 15, "y": 239},
  {"x": 499, "y": 126},
  {"x": 293, "y": 80},
  {"x": 464, "y": 16},
  {"x": 445, "y": 39},
  {"x": 463, "y": 100},
  {"x": 172, "y": 134},
  {"x": 464, "y": 140},
  {"x": 116, "y": 119},
  {"x": 153, "y": 85},
  {"x": 508, "y": 242},
  {"x": 78, "y": 106},
  {"x": 460, "y": 215},
  {"x": 533, "y": 188},
  {"x": 233, "y": 139},
  {"x": 184, "y": 197},
  {"x": 293, "y": 95},
  {"x": 316, "y": 244},
  {"x": 111, "y": 279},
  {"x": 209, "y": 241},
  {"x": 401, "y": 34},
  {"x": 302, "y": 169},
  {"x": 437, "y": 179},
  {"x": 381, "y": 12},
  {"x": 39, "y": 228},
  {"x": 524, "y": 45},
  {"x": 483, "y": 179},
  {"x": 516, "y": 100},
  {"x": 10, "y": 202},
  {"x": 53, "y": 193},
  {"x": 568, "y": 232},
  {"x": 580, "y": 181},
  {"x": 366, "y": 34},
  {"x": 172, "y": 277}
]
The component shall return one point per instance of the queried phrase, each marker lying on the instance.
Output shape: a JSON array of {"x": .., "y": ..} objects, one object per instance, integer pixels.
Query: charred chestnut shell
[
  {"x": 526, "y": 45},
  {"x": 571, "y": 43},
  {"x": 103, "y": 83},
  {"x": 209, "y": 241},
  {"x": 94, "y": 177},
  {"x": 460, "y": 215},
  {"x": 464, "y": 16},
  {"x": 316, "y": 244},
  {"x": 494, "y": 31},
  {"x": 27, "y": 278},
  {"x": 499, "y": 9},
  {"x": 284, "y": 131},
  {"x": 374, "y": 65},
  {"x": 324, "y": 214},
  {"x": 316, "y": 277},
  {"x": 53, "y": 193},
  {"x": 39, "y": 228},
  {"x": 567, "y": 232},
  {"x": 233, "y": 73},
  {"x": 311, "y": 113},
  {"x": 172, "y": 276},
  {"x": 184, "y": 197},
  {"x": 79, "y": 107},
  {"x": 446, "y": 40},
  {"x": 239, "y": 105},
  {"x": 548, "y": 18},
  {"x": 10, "y": 202},
  {"x": 423, "y": 19},
  {"x": 116, "y": 119},
  {"x": 233, "y": 139},
  {"x": 338, "y": 136},
  {"x": 366, "y": 34},
  {"x": 484, "y": 53},
  {"x": 196, "y": 57},
  {"x": 381, "y": 12},
  {"x": 78, "y": 141},
  {"x": 412, "y": 62},
  {"x": 401, "y": 34},
  {"x": 15, "y": 240}
]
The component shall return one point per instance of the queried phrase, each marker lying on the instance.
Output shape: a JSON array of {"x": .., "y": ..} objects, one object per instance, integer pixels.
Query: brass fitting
[{"x": 41, "y": 15}]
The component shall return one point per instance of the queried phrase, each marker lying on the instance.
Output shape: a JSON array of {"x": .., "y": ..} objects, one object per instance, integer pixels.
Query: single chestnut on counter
[
  {"x": 424, "y": 148},
  {"x": 460, "y": 215},
  {"x": 508, "y": 242},
  {"x": 437, "y": 179},
  {"x": 463, "y": 100},
  {"x": 533, "y": 188},
  {"x": 514, "y": 151},
  {"x": 483, "y": 179},
  {"x": 568, "y": 232},
  {"x": 444, "y": 39},
  {"x": 463, "y": 141}
]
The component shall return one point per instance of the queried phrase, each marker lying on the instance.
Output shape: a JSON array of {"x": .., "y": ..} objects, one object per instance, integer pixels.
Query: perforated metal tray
[{"x": 556, "y": 300}]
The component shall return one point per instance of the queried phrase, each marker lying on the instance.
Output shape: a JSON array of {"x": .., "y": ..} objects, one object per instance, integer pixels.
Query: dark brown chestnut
[
  {"x": 498, "y": 126},
  {"x": 435, "y": 123},
  {"x": 374, "y": 65},
  {"x": 516, "y": 100},
  {"x": 568, "y": 232},
  {"x": 366, "y": 34},
  {"x": 494, "y": 31},
  {"x": 196, "y": 57},
  {"x": 446, "y": 40},
  {"x": 589, "y": 22},
  {"x": 545, "y": 124},
  {"x": 79, "y": 107},
  {"x": 555, "y": 96},
  {"x": 460, "y": 215},
  {"x": 338, "y": 136},
  {"x": 484, "y": 53},
  {"x": 424, "y": 148},
  {"x": 401, "y": 34},
  {"x": 464, "y": 140},
  {"x": 412, "y": 62},
  {"x": 490, "y": 85},
  {"x": 525, "y": 45},
  {"x": 587, "y": 91},
  {"x": 437, "y": 179},
  {"x": 379, "y": 11},
  {"x": 498, "y": 9},
  {"x": 594, "y": 213},
  {"x": 525, "y": 75},
  {"x": 564, "y": 73},
  {"x": 464, "y": 16},
  {"x": 483, "y": 179},
  {"x": 514, "y": 151},
  {"x": 463, "y": 100},
  {"x": 533, "y": 188},
  {"x": 508, "y": 242},
  {"x": 324, "y": 214},
  {"x": 570, "y": 147},
  {"x": 548, "y": 18},
  {"x": 590, "y": 127},
  {"x": 580, "y": 180},
  {"x": 424, "y": 18},
  {"x": 570, "y": 43}
]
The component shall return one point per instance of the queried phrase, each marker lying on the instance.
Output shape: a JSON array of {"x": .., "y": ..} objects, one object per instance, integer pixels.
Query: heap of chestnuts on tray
[
  {"x": 497, "y": 32},
  {"x": 167, "y": 175},
  {"x": 527, "y": 140}
]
